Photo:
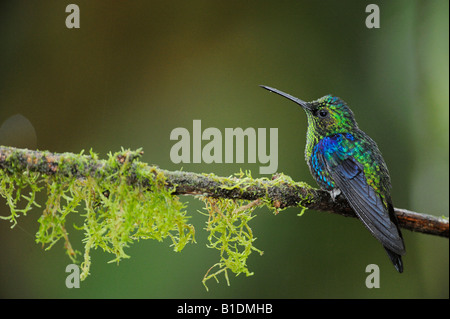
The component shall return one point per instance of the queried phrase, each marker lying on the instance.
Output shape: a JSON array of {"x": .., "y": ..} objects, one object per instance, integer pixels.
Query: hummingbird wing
[{"x": 348, "y": 175}]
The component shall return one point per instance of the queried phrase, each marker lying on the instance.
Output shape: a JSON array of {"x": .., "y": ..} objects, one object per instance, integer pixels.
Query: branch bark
[{"x": 279, "y": 191}]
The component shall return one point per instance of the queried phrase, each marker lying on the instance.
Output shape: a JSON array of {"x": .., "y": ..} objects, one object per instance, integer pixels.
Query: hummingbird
[{"x": 346, "y": 161}]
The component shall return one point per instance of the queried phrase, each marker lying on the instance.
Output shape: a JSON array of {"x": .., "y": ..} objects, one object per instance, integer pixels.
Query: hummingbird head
[{"x": 327, "y": 116}]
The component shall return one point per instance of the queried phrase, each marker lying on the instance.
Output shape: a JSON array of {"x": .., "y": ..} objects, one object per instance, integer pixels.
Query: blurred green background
[{"x": 135, "y": 70}]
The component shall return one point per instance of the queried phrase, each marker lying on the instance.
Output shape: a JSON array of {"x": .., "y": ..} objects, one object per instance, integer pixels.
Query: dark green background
[{"x": 135, "y": 70}]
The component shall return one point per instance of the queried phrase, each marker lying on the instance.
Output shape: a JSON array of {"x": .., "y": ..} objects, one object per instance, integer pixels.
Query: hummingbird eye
[{"x": 322, "y": 113}]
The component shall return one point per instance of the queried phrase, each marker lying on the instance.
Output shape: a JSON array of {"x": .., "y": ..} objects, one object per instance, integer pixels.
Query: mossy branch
[
  {"x": 282, "y": 192},
  {"x": 126, "y": 199}
]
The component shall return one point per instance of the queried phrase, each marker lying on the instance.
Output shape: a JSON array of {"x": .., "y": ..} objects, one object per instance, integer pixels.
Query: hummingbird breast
[
  {"x": 326, "y": 153},
  {"x": 333, "y": 148}
]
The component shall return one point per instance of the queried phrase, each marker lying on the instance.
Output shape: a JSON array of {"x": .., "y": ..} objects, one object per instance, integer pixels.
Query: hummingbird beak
[{"x": 302, "y": 103}]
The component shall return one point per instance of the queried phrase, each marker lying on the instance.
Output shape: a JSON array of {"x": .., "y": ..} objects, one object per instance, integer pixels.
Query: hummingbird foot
[{"x": 335, "y": 193}]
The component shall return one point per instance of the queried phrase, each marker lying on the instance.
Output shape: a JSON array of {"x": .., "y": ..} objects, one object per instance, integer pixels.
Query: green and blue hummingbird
[{"x": 345, "y": 160}]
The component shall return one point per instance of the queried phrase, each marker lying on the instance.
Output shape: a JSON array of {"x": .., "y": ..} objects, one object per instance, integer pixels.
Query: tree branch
[{"x": 279, "y": 192}]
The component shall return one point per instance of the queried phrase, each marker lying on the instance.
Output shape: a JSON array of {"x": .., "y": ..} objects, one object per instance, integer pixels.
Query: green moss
[
  {"x": 230, "y": 233},
  {"x": 121, "y": 200},
  {"x": 115, "y": 212},
  {"x": 12, "y": 188}
]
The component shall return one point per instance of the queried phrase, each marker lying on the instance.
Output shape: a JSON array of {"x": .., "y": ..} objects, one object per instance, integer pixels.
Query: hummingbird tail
[{"x": 396, "y": 259}]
